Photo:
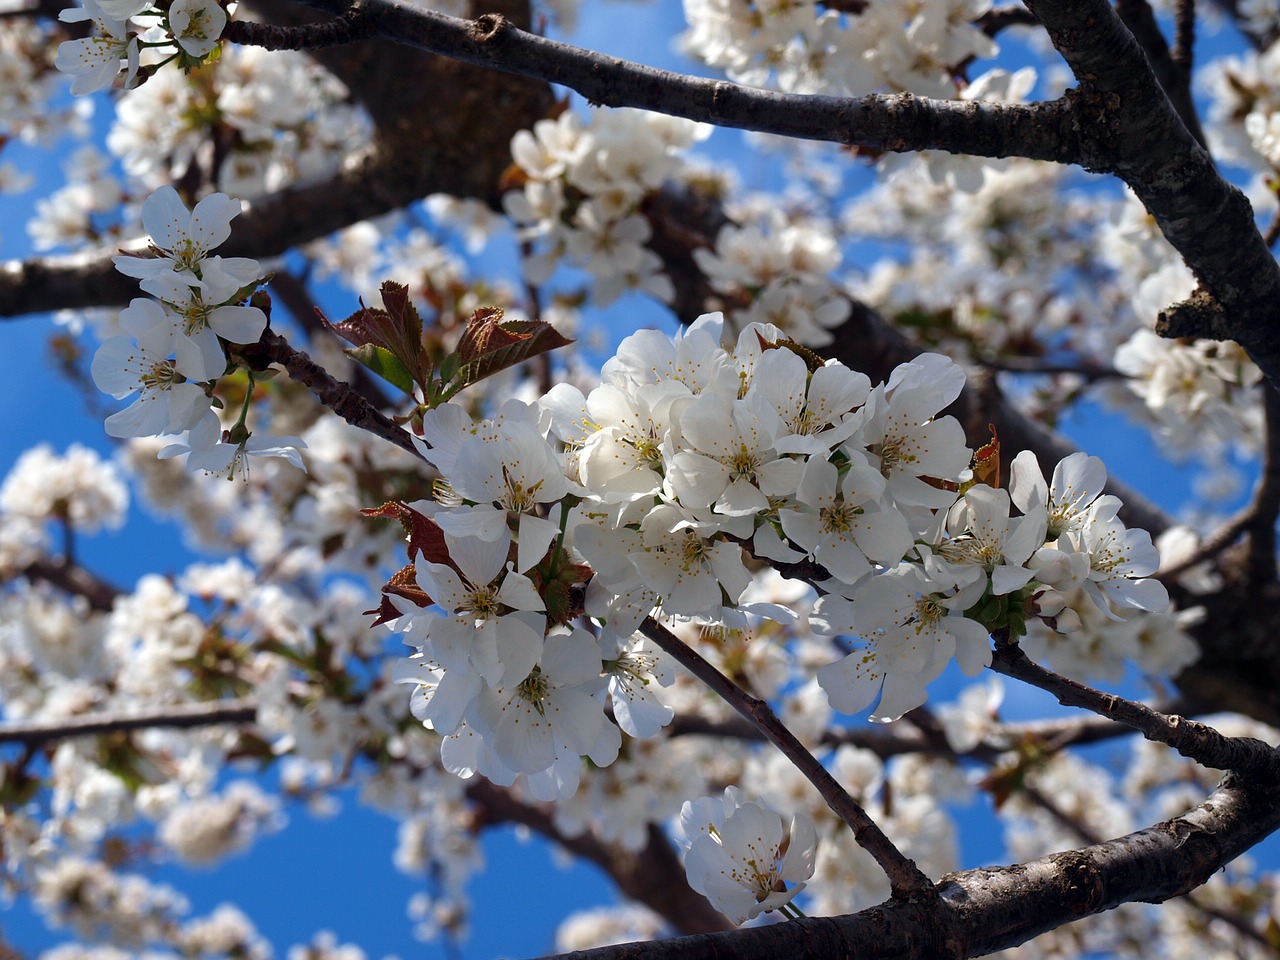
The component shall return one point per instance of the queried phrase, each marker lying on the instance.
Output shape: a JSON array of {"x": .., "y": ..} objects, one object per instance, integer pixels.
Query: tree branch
[
  {"x": 334, "y": 394},
  {"x": 903, "y": 123},
  {"x": 1128, "y": 126},
  {"x": 74, "y": 579},
  {"x": 905, "y": 878},
  {"x": 1171, "y": 68},
  {"x": 1196, "y": 741},
  {"x": 989, "y": 909},
  {"x": 1265, "y": 507},
  {"x": 35, "y": 733}
]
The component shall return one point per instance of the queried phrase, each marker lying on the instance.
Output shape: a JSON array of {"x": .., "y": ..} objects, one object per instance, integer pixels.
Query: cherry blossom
[{"x": 741, "y": 856}]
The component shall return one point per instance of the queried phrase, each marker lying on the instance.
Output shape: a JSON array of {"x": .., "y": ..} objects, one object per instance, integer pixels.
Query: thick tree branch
[
  {"x": 1042, "y": 131},
  {"x": 1129, "y": 126},
  {"x": 1266, "y": 499},
  {"x": 905, "y": 878},
  {"x": 182, "y": 716},
  {"x": 1172, "y": 68},
  {"x": 1196, "y": 741},
  {"x": 982, "y": 911}
]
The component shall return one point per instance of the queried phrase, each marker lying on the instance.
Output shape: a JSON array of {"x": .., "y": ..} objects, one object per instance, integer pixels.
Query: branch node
[
  {"x": 1200, "y": 316},
  {"x": 486, "y": 28}
]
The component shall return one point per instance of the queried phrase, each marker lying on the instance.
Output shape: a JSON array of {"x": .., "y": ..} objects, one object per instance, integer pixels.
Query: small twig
[
  {"x": 1074, "y": 824},
  {"x": 186, "y": 715},
  {"x": 1247, "y": 756},
  {"x": 1090, "y": 372},
  {"x": 996, "y": 21},
  {"x": 1233, "y": 920},
  {"x": 905, "y": 878},
  {"x": 337, "y": 396},
  {"x": 1273, "y": 231},
  {"x": 1211, "y": 546},
  {"x": 1184, "y": 34}
]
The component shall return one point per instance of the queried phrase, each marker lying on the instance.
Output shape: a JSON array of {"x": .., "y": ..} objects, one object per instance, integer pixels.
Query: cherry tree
[{"x": 488, "y": 547}]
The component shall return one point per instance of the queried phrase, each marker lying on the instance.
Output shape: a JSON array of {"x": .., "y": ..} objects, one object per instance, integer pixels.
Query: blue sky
[{"x": 336, "y": 873}]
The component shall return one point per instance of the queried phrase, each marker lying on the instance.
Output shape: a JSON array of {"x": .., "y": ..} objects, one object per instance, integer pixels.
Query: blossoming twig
[
  {"x": 334, "y": 394},
  {"x": 905, "y": 878},
  {"x": 1196, "y": 741}
]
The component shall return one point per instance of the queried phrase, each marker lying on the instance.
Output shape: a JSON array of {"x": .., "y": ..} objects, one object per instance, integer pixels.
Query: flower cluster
[
  {"x": 900, "y": 44},
  {"x": 582, "y": 191},
  {"x": 687, "y": 457},
  {"x": 186, "y": 31},
  {"x": 779, "y": 270},
  {"x": 173, "y": 350}
]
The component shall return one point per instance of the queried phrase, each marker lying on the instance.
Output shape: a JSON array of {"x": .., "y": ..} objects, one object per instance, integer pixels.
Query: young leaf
[
  {"x": 986, "y": 460},
  {"x": 396, "y": 330},
  {"x": 426, "y": 539},
  {"x": 490, "y": 344}
]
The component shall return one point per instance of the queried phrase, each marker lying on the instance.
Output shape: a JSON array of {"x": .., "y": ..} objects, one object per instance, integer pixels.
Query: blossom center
[
  {"x": 516, "y": 496},
  {"x": 533, "y": 690},
  {"x": 838, "y": 517}
]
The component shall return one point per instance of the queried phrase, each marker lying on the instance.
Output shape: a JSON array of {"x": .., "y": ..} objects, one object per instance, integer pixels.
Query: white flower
[
  {"x": 494, "y": 625},
  {"x": 729, "y": 463},
  {"x": 208, "y": 451},
  {"x": 911, "y": 631},
  {"x": 634, "y": 672},
  {"x": 532, "y": 721},
  {"x": 166, "y": 402},
  {"x": 846, "y": 523},
  {"x": 1077, "y": 483},
  {"x": 741, "y": 856},
  {"x": 685, "y": 567},
  {"x": 194, "y": 319},
  {"x": 184, "y": 237},
  {"x": 900, "y": 432},
  {"x": 511, "y": 471},
  {"x": 197, "y": 25},
  {"x": 95, "y": 62},
  {"x": 1118, "y": 557},
  {"x": 983, "y": 537},
  {"x": 625, "y": 456}
]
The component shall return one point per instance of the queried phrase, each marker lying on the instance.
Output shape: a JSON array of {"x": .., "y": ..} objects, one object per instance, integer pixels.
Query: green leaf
[
  {"x": 396, "y": 330},
  {"x": 385, "y": 364},
  {"x": 449, "y": 367}
]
